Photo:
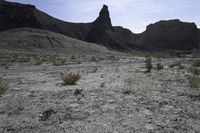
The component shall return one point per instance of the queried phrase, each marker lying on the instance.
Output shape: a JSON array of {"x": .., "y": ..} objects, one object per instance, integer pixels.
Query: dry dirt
[{"x": 117, "y": 96}]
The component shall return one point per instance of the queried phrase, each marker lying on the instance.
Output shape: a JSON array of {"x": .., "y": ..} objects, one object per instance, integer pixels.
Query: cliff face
[
  {"x": 17, "y": 15},
  {"x": 172, "y": 34},
  {"x": 100, "y": 26},
  {"x": 102, "y": 32}
]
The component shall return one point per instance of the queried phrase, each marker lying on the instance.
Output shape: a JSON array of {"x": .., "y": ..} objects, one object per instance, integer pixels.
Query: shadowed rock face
[
  {"x": 163, "y": 35},
  {"x": 103, "y": 33},
  {"x": 100, "y": 26},
  {"x": 17, "y": 15},
  {"x": 172, "y": 34},
  {"x": 103, "y": 21}
]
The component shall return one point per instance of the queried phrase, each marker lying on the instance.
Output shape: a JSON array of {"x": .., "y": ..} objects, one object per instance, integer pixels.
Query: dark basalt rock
[
  {"x": 16, "y": 15},
  {"x": 103, "y": 21},
  {"x": 100, "y": 26},
  {"x": 172, "y": 34}
]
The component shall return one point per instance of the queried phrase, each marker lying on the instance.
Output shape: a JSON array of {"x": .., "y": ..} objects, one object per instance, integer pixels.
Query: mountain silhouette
[{"x": 163, "y": 35}]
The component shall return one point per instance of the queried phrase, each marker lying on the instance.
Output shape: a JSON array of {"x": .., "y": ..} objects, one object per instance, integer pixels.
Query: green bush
[
  {"x": 70, "y": 78},
  {"x": 148, "y": 63}
]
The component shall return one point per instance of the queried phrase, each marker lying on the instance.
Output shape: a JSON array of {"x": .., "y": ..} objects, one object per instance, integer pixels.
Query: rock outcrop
[
  {"x": 172, "y": 34},
  {"x": 100, "y": 26},
  {"x": 43, "y": 42},
  {"x": 15, "y": 15}
]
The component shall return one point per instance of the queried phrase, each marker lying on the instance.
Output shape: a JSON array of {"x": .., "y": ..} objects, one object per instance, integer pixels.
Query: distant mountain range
[{"x": 163, "y": 35}]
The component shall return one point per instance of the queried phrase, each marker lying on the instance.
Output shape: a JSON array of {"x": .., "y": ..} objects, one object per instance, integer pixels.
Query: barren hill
[
  {"x": 163, "y": 35},
  {"x": 31, "y": 40}
]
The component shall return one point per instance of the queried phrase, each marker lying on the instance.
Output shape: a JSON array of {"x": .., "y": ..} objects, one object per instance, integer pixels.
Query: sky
[{"x": 132, "y": 14}]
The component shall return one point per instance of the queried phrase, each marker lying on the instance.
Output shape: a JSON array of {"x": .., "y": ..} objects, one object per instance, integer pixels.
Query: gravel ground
[{"x": 116, "y": 96}]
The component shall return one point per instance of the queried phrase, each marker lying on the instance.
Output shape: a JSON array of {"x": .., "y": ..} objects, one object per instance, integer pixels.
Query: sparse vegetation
[
  {"x": 196, "y": 63},
  {"x": 70, "y": 78},
  {"x": 159, "y": 66},
  {"x": 195, "y": 71},
  {"x": 59, "y": 62},
  {"x": 194, "y": 81},
  {"x": 148, "y": 63},
  {"x": 178, "y": 64},
  {"x": 3, "y": 88},
  {"x": 146, "y": 90},
  {"x": 128, "y": 85}
]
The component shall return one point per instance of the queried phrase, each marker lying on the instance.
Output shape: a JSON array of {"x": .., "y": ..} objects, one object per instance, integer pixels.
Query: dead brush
[
  {"x": 70, "y": 78},
  {"x": 148, "y": 64},
  {"x": 196, "y": 63},
  {"x": 194, "y": 81},
  {"x": 128, "y": 85},
  {"x": 3, "y": 87}
]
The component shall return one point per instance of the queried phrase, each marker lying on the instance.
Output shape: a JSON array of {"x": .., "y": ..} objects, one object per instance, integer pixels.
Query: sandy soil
[{"x": 117, "y": 96}]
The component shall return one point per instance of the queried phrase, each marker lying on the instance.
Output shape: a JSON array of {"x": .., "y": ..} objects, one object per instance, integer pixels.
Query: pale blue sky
[{"x": 132, "y": 14}]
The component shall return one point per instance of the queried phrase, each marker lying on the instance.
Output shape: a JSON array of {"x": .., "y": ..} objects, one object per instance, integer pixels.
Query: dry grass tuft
[
  {"x": 196, "y": 63},
  {"x": 70, "y": 78},
  {"x": 3, "y": 88},
  {"x": 148, "y": 63},
  {"x": 178, "y": 64},
  {"x": 194, "y": 81}
]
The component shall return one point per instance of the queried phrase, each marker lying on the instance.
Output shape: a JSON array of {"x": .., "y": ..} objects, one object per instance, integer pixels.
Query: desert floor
[{"x": 116, "y": 96}]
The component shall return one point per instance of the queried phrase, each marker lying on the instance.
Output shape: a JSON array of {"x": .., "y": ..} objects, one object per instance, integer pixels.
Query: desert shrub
[
  {"x": 128, "y": 85},
  {"x": 178, "y": 64},
  {"x": 159, "y": 66},
  {"x": 70, "y": 78},
  {"x": 146, "y": 89},
  {"x": 148, "y": 64},
  {"x": 59, "y": 62},
  {"x": 194, "y": 81},
  {"x": 3, "y": 88},
  {"x": 196, "y": 64},
  {"x": 195, "y": 71}
]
